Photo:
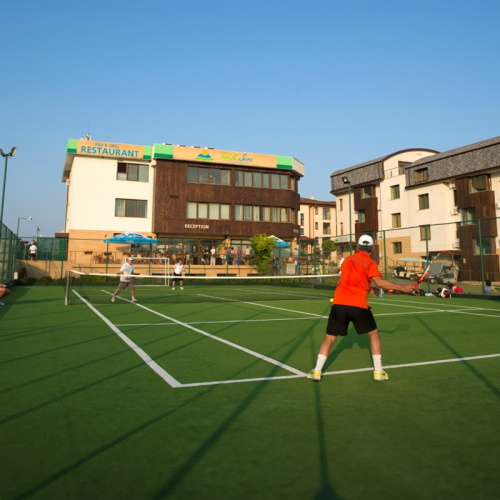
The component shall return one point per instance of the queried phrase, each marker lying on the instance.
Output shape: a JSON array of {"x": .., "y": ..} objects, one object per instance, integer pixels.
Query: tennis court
[{"x": 201, "y": 393}]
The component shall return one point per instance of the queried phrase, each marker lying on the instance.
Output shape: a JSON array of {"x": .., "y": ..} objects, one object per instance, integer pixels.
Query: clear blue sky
[{"x": 332, "y": 83}]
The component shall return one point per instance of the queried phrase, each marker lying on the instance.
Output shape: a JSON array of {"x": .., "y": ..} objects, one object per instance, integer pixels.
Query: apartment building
[
  {"x": 419, "y": 202},
  {"x": 316, "y": 220}
]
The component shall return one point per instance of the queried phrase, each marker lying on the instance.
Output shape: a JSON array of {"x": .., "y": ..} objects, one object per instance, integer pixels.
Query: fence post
[{"x": 481, "y": 254}]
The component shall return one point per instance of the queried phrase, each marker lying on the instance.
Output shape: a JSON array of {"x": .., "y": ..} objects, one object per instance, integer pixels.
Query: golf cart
[{"x": 409, "y": 268}]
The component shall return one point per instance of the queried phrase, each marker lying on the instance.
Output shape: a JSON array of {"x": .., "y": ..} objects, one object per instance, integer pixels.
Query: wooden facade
[
  {"x": 483, "y": 202},
  {"x": 172, "y": 192}
]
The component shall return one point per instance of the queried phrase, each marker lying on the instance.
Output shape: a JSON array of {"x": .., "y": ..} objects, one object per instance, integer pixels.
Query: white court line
[
  {"x": 264, "y": 305},
  {"x": 223, "y": 321},
  {"x": 343, "y": 372},
  {"x": 152, "y": 364},
  {"x": 297, "y": 373},
  {"x": 227, "y": 342}
]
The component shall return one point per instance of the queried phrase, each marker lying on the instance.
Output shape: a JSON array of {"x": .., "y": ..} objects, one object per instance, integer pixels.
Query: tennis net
[{"x": 98, "y": 288}]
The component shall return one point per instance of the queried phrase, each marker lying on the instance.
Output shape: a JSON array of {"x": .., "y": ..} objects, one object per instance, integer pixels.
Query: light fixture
[{"x": 19, "y": 219}]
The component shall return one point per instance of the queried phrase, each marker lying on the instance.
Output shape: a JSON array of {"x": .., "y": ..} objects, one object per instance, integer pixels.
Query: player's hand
[{"x": 410, "y": 289}]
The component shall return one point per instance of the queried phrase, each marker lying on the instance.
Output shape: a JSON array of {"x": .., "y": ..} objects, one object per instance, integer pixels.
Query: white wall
[{"x": 92, "y": 191}]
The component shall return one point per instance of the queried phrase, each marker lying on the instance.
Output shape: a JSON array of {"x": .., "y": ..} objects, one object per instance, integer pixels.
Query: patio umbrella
[
  {"x": 278, "y": 242},
  {"x": 131, "y": 239}
]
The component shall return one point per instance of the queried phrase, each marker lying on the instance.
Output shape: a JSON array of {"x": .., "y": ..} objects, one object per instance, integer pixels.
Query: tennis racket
[{"x": 441, "y": 264}]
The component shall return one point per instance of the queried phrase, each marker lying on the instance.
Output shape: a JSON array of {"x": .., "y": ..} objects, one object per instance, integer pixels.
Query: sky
[{"x": 332, "y": 83}]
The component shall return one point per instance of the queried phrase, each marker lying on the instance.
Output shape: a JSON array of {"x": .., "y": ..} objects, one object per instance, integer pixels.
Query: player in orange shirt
[{"x": 350, "y": 304}]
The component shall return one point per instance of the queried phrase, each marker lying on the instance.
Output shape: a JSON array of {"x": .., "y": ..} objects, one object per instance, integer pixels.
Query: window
[
  {"x": 486, "y": 243},
  {"x": 402, "y": 165},
  {"x": 395, "y": 192},
  {"x": 425, "y": 233},
  {"x": 257, "y": 179},
  {"x": 397, "y": 247},
  {"x": 266, "y": 181},
  {"x": 340, "y": 204},
  {"x": 213, "y": 211},
  {"x": 205, "y": 175},
  {"x": 361, "y": 216},
  {"x": 423, "y": 201},
  {"x": 130, "y": 208},
  {"x": 422, "y": 174},
  {"x": 315, "y": 210},
  {"x": 283, "y": 182},
  {"x": 326, "y": 214},
  {"x": 469, "y": 216},
  {"x": 316, "y": 226},
  {"x": 301, "y": 219},
  {"x": 327, "y": 228},
  {"x": 257, "y": 213},
  {"x": 341, "y": 229},
  {"x": 366, "y": 191},
  {"x": 132, "y": 172},
  {"x": 479, "y": 183},
  {"x": 396, "y": 220}
]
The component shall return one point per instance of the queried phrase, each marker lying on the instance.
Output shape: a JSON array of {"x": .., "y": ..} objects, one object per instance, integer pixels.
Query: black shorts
[
  {"x": 341, "y": 316},
  {"x": 177, "y": 277}
]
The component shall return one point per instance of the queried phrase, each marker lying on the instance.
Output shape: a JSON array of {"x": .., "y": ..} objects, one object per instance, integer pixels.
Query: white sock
[
  {"x": 377, "y": 362},
  {"x": 321, "y": 361}
]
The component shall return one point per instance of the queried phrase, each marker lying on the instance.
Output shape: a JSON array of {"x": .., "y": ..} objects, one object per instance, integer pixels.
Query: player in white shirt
[
  {"x": 126, "y": 272},
  {"x": 178, "y": 271}
]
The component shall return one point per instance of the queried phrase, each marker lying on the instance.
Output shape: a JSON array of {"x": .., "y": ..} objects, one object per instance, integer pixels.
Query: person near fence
[
  {"x": 126, "y": 272},
  {"x": 4, "y": 291},
  {"x": 178, "y": 271},
  {"x": 488, "y": 289},
  {"x": 350, "y": 304},
  {"x": 341, "y": 259},
  {"x": 212, "y": 256},
  {"x": 248, "y": 255},
  {"x": 32, "y": 251}
]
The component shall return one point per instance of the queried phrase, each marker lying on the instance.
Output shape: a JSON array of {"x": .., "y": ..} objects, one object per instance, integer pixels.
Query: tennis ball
[{"x": 331, "y": 300}]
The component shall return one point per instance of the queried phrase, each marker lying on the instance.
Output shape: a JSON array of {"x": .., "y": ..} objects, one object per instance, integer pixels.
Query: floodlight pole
[
  {"x": 6, "y": 156},
  {"x": 346, "y": 181},
  {"x": 19, "y": 219}
]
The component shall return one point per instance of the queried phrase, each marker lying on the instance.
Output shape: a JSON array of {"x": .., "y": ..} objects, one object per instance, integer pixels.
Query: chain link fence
[{"x": 402, "y": 254}]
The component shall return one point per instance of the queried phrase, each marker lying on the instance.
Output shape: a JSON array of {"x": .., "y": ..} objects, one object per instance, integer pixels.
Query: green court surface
[{"x": 180, "y": 397}]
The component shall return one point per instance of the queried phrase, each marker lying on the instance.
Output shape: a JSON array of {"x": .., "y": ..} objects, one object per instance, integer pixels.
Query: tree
[
  {"x": 328, "y": 247},
  {"x": 262, "y": 248}
]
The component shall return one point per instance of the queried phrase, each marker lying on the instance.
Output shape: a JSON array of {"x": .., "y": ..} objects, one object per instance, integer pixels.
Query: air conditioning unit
[
  {"x": 456, "y": 244},
  {"x": 451, "y": 185},
  {"x": 68, "y": 182},
  {"x": 454, "y": 211}
]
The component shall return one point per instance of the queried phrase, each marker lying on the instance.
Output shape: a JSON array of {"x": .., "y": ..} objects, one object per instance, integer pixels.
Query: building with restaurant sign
[{"x": 188, "y": 198}]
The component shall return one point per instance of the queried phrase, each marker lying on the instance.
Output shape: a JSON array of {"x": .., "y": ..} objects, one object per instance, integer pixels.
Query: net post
[{"x": 67, "y": 291}]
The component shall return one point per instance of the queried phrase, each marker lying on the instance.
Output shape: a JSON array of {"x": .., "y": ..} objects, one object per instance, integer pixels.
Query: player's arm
[{"x": 390, "y": 285}]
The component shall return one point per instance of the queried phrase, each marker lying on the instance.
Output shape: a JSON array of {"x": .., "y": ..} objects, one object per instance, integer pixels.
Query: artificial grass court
[{"x": 208, "y": 400}]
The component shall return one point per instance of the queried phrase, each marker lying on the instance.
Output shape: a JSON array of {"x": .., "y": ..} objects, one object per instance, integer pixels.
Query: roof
[
  {"x": 460, "y": 162},
  {"x": 312, "y": 201}
]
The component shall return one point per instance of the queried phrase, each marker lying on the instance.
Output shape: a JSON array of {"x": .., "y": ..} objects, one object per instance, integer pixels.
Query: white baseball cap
[{"x": 365, "y": 241}]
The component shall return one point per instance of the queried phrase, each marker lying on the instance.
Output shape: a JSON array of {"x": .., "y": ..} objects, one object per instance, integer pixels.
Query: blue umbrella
[
  {"x": 278, "y": 242},
  {"x": 131, "y": 239}
]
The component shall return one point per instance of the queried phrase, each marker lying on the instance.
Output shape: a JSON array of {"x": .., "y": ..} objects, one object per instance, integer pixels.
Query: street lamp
[
  {"x": 19, "y": 219},
  {"x": 6, "y": 156},
  {"x": 346, "y": 181}
]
